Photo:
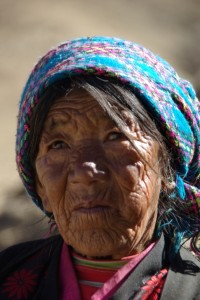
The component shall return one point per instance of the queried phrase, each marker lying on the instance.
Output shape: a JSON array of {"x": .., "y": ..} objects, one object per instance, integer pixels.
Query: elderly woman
[{"x": 108, "y": 146}]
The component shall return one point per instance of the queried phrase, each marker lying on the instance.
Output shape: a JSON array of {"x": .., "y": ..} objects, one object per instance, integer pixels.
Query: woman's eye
[
  {"x": 112, "y": 136},
  {"x": 58, "y": 145}
]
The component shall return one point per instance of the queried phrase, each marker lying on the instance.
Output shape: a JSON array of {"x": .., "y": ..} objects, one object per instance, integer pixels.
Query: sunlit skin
[{"x": 103, "y": 195}]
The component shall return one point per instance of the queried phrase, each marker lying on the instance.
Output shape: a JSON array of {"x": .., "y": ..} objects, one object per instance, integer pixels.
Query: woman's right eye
[{"x": 58, "y": 145}]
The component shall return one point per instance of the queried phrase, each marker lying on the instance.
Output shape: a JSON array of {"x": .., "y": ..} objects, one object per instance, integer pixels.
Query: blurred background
[{"x": 28, "y": 29}]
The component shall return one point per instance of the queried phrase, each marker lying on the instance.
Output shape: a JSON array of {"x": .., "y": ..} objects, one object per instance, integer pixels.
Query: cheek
[
  {"x": 52, "y": 174},
  {"x": 129, "y": 172},
  {"x": 141, "y": 204},
  {"x": 139, "y": 183},
  {"x": 124, "y": 164}
]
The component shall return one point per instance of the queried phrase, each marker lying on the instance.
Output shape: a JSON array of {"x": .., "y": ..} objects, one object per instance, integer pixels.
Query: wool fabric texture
[{"x": 168, "y": 98}]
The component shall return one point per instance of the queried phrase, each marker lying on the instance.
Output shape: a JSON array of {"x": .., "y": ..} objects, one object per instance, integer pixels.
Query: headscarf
[{"x": 168, "y": 98}]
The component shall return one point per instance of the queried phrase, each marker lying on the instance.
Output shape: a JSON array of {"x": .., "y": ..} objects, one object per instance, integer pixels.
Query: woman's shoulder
[
  {"x": 32, "y": 245},
  {"x": 183, "y": 277},
  {"x": 23, "y": 252},
  {"x": 26, "y": 267},
  {"x": 187, "y": 255}
]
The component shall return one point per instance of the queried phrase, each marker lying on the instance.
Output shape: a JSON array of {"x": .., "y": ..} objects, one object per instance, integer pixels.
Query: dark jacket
[{"x": 30, "y": 271}]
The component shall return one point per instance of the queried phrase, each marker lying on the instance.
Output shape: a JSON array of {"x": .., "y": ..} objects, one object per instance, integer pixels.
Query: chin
[{"x": 98, "y": 244}]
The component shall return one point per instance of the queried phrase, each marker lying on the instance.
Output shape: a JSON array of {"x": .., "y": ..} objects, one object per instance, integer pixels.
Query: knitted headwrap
[{"x": 169, "y": 99}]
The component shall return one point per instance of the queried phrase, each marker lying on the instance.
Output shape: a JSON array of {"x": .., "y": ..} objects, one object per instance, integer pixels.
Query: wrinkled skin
[{"x": 103, "y": 195}]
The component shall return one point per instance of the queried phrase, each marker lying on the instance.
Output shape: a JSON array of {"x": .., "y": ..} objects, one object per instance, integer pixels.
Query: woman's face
[{"x": 103, "y": 195}]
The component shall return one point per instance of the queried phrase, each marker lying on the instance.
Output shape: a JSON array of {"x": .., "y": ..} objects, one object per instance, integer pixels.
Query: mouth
[
  {"x": 94, "y": 209},
  {"x": 92, "y": 205},
  {"x": 91, "y": 202}
]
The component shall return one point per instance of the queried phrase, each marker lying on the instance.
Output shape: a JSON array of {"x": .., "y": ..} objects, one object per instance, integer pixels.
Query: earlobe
[{"x": 41, "y": 191}]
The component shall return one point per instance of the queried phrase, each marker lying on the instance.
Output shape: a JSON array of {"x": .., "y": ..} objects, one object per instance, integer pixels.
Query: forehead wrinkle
[
  {"x": 78, "y": 104},
  {"x": 76, "y": 110}
]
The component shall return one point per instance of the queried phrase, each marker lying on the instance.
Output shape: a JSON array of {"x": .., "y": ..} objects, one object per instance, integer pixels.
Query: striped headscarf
[{"x": 168, "y": 98}]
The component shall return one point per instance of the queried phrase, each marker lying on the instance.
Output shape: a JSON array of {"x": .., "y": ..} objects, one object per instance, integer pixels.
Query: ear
[{"x": 41, "y": 191}]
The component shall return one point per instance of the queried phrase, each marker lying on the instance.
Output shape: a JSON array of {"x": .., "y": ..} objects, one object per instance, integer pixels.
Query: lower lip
[{"x": 96, "y": 209}]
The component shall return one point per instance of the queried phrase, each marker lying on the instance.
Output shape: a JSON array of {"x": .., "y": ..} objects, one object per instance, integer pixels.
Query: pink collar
[
  {"x": 119, "y": 277},
  {"x": 68, "y": 284}
]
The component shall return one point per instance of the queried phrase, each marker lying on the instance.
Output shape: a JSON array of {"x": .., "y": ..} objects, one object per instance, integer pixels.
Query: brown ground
[{"x": 28, "y": 29}]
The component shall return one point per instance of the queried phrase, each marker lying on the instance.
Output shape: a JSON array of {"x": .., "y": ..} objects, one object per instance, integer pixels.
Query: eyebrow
[{"x": 52, "y": 122}]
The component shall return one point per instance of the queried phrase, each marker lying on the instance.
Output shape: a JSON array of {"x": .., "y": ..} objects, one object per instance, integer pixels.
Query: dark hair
[{"x": 113, "y": 97}]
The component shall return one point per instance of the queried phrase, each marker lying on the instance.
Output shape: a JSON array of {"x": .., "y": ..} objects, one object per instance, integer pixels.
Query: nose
[{"x": 87, "y": 173}]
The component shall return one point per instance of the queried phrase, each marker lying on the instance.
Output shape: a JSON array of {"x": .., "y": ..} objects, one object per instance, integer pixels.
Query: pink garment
[
  {"x": 119, "y": 277},
  {"x": 68, "y": 283}
]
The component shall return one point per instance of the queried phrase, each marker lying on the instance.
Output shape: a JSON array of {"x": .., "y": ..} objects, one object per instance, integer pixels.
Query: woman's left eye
[{"x": 113, "y": 136}]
